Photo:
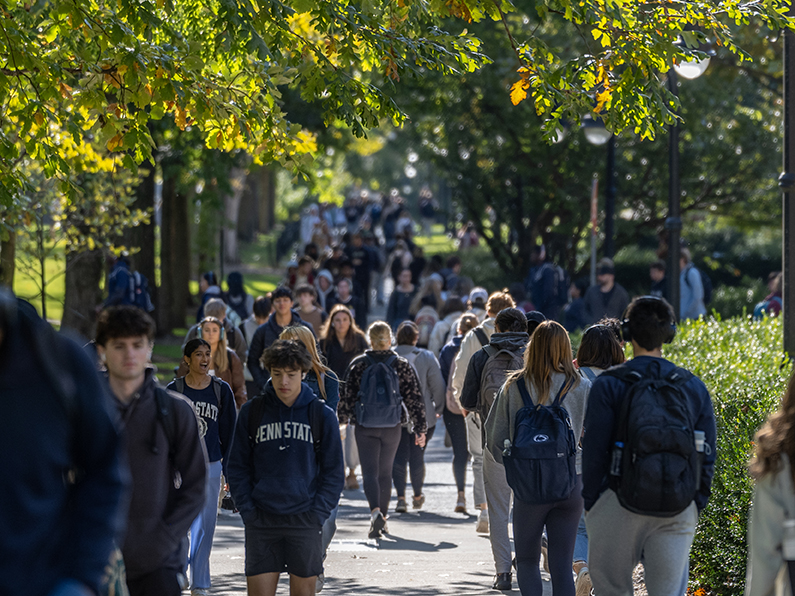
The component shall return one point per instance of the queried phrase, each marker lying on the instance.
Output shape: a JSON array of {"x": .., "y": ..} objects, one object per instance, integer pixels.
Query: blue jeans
[
  {"x": 202, "y": 530},
  {"x": 581, "y": 542}
]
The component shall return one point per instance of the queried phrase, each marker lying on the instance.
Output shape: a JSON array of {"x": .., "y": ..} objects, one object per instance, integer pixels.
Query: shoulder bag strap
[{"x": 522, "y": 385}]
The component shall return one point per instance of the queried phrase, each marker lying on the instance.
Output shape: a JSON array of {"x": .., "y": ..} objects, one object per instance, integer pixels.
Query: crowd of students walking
[{"x": 284, "y": 397}]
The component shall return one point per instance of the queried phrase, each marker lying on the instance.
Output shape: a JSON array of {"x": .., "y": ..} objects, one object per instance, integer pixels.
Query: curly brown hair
[{"x": 776, "y": 437}]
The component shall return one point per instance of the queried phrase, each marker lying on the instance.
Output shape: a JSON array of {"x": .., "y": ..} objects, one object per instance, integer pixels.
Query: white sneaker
[
  {"x": 483, "y": 522},
  {"x": 321, "y": 579}
]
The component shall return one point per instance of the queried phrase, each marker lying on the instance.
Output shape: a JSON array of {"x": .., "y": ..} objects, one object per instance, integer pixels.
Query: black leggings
[
  {"x": 413, "y": 455},
  {"x": 457, "y": 429},
  {"x": 561, "y": 520},
  {"x": 377, "y": 448}
]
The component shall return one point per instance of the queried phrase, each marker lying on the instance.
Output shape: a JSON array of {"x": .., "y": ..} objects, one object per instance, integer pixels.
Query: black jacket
[
  {"x": 264, "y": 336},
  {"x": 513, "y": 342},
  {"x": 160, "y": 515}
]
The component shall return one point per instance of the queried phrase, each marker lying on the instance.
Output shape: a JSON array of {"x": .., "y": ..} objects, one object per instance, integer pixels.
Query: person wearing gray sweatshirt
[
  {"x": 548, "y": 372},
  {"x": 433, "y": 390}
]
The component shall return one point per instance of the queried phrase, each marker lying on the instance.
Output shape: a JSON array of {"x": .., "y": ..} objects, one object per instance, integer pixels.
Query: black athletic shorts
[{"x": 273, "y": 546}]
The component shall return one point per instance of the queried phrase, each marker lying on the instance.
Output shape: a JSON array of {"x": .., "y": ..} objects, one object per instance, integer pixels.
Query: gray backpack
[{"x": 497, "y": 368}]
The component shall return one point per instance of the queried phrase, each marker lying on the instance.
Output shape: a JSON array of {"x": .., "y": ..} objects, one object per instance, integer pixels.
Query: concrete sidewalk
[{"x": 428, "y": 552}]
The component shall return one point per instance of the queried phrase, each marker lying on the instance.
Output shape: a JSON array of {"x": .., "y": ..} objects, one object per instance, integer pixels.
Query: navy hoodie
[{"x": 280, "y": 475}]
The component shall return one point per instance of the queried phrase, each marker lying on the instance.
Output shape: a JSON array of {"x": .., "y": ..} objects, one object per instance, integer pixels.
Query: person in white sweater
[
  {"x": 474, "y": 341},
  {"x": 773, "y": 504}
]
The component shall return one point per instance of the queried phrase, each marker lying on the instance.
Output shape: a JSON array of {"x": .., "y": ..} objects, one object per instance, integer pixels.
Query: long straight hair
[
  {"x": 776, "y": 437},
  {"x": 549, "y": 351},
  {"x": 220, "y": 358},
  {"x": 304, "y": 335}
]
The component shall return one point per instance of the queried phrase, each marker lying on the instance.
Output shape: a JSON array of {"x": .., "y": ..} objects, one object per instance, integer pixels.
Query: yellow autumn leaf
[
  {"x": 181, "y": 118},
  {"x": 601, "y": 99},
  {"x": 519, "y": 91},
  {"x": 115, "y": 142}
]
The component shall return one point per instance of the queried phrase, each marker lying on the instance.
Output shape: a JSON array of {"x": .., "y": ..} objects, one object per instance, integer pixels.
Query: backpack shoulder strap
[
  {"x": 179, "y": 384},
  {"x": 165, "y": 417},
  {"x": 316, "y": 423},
  {"x": 216, "y": 383},
  {"x": 624, "y": 373},
  {"x": 526, "y": 399},
  {"x": 678, "y": 376},
  {"x": 588, "y": 373},
  {"x": 490, "y": 350},
  {"x": 562, "y": 393},
  {"x": 390, "y": 361},
  {"x": 481, "y": 335}
]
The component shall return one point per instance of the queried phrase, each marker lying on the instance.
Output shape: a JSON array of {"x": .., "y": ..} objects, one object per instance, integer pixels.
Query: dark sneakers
[{"x": 503, "y": 581}]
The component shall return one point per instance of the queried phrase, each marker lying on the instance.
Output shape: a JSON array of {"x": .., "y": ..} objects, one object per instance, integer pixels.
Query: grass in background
[
  {"x": 26, "y": 284},
  {"x": 439, "y": 242}
]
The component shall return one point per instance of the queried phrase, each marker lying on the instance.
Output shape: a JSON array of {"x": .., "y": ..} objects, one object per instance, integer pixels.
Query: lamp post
[
  {"x": 690, "y": 69},
  {"x": 597, "y": 134}
]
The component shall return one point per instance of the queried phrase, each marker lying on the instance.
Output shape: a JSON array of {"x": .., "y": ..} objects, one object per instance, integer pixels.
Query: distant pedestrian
[
  {"x": 375, "y": 384},
  {"x": 574, "y": 317},
  {"x": 209, "y": 288},
  {"x": 341, "y": 340},
  {"x": 607, "y": 298},
  {"x": 214, "y": 403},
  {"x": 306, "y": 307},
  {"x": 399, "y": 307},
  {"x": 598, "y": 351},
  {"x": 548, "y": 379},
  {"x": 288, "y": 434},
  {"x": 235, "y": 339},
  {"x": 236, "y": 296},
  {"x": 547, "y": 284},
  {"x": 345, "y": 297},
  {"x": 647, "y": 493},
  {"x": 432, "y": 388},
  {"x": 691, "y": 289},
  {"x": 324, "y": 285},
  {"x": 453, "y": 414},
  {"x": 262, "y": 310},
  {"x": 659, "y": 284},
  {"x": 445, "y": 329},
  {"x": 773, "y": 302},
  {"x": 283, "y": 316},
  {"x": 773, "y": 509}
]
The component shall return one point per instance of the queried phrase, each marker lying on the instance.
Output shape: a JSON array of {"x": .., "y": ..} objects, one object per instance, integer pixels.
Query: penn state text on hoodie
[{"x": 280, "y": 474}]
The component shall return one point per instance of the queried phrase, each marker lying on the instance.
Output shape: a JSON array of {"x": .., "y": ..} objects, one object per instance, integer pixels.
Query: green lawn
[{"x": 438, "y": 243}]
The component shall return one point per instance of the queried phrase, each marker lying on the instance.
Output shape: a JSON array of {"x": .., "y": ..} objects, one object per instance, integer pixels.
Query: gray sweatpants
[
  {"x": 618, "y": 539},
  {"x": 475, "y": 447},
  {"x": 498, "y": 497}
]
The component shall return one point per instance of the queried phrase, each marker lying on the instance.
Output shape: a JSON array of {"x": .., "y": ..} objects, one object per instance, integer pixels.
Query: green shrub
[
  {"x": 735, "y": 301},
  {"x": 741, "y": 364}
]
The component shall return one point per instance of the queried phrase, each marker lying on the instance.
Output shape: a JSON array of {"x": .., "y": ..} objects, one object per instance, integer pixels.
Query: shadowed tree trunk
[
  {"x": 142, "y": 237},
  {"x": 232, "y": 201},
  {"x": 84, "y": 271},
  {"x": 8, "y": 251},
  {"x": 175, "y": 267}
]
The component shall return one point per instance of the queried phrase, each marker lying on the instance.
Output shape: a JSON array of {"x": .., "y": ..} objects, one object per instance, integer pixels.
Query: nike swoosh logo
[{"x": 282, "y": 447}]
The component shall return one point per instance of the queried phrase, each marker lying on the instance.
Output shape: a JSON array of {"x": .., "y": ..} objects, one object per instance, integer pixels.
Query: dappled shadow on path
[{"x": 360, "y": 588}]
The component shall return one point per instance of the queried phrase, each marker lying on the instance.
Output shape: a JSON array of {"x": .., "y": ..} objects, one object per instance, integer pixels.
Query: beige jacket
[
  {"x": 774, "y": 502},
  {"x": 469, "y": 346}
]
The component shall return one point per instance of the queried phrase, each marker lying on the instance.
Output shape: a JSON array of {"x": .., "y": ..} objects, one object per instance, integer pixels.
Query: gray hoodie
[{"x": 432, "y": 385}]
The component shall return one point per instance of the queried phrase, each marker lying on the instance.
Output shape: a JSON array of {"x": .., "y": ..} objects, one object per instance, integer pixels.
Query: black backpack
[
  {"x": 540, "y": 465},
  {"x": 179, "y": 384},
  {"x": 380, "y": 404},
  {"x": 655, "y": 467},
  {"x": 706, "y": 283}
]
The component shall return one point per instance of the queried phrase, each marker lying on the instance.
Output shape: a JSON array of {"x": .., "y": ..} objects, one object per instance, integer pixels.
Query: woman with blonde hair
[
  {"x": 773, "y": 510},
  {"x": 430, "y": 294},
  {"x": 224, "y": 362},
  {"x": 377, "y": 441},
  {"x": 321, "y": 379},
  {"x": 548, "y": 378}
]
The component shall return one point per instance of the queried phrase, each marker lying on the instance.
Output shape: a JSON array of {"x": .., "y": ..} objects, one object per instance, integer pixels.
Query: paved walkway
[{"x": 428, "y": 552}]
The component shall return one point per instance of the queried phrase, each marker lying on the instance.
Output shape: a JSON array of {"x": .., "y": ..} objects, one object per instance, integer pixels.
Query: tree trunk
[
  {"x": 8, "y": 252},
  {"x": 142, "y": 237},
  {"x": 265, "y": 185},
  {"x": 237, "y": 181},
  {"x": 174, "y": 294},
  {"x": 84, "y": 272}
]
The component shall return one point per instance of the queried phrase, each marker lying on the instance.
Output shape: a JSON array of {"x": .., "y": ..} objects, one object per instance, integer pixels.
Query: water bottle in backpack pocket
[
  {"x": 380, "y": 404},
  {"x": 656, "y": 467},
  {"x": 540, "y": 465}
]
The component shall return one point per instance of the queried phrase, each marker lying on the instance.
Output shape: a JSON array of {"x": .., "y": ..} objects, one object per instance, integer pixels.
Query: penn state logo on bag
[{"x": 540, "y": 438}]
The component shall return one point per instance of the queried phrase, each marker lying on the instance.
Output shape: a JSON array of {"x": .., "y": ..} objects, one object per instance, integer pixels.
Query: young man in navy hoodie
[{"x": 286, "y": 474}]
